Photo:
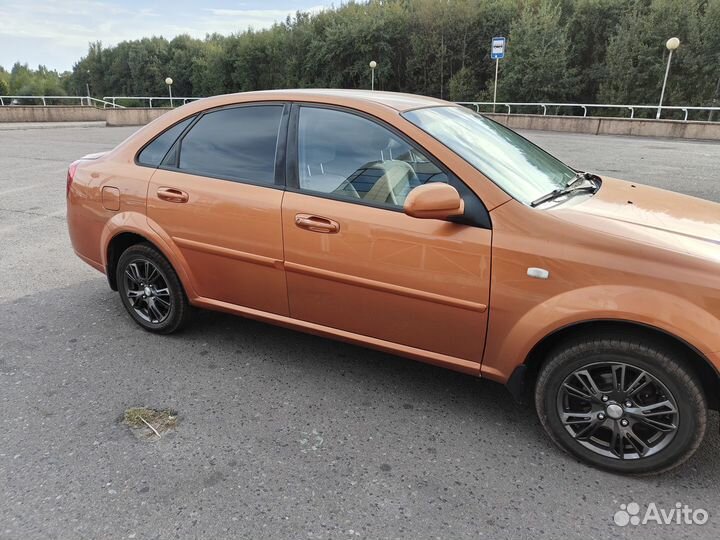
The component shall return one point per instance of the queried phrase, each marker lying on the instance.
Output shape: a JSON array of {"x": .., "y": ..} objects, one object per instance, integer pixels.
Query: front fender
[
  {"x": 138, "y": 223},
  {"x": 511, "y": 341}
]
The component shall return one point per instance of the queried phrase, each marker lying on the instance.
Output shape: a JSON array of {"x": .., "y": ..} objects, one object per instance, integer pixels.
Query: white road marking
[{"x": 25, "y": 188}]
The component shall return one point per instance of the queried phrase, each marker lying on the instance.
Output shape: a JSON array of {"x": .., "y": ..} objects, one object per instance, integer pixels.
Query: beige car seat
[{"x": 394, "y": 185}]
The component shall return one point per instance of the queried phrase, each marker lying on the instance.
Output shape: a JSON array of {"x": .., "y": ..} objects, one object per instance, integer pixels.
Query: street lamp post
[
  {"x": 671, "y": 44},
  {"x": 169, "y": 82},
  {"x": 87, "y": 87},
  {"x": 373, "y": 65}
]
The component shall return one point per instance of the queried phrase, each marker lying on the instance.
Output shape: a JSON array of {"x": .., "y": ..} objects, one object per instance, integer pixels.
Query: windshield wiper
[
  {"x": 571, "y": 187},
  {"x": 579, "y": 177}
]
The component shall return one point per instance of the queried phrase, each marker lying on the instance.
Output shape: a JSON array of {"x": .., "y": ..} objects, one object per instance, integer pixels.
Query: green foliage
[
  {"x": 574, "y": 50},
  {"x": 637, "y": 56},
  {"x": 591, "y": 24},
  {"x": 24, "y": 81},
  {"x": 462, "y": 86},
  {"x": 537, "y": 59}
]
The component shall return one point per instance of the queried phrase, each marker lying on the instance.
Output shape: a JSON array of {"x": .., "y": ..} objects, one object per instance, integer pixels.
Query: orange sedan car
[{"x": 415, "y": 226}]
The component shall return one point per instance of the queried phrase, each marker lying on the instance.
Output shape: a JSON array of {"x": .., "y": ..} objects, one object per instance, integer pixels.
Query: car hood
[{"x": 650, "y": 215}]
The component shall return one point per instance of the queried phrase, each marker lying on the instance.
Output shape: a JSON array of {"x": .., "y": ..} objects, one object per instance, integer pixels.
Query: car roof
[
  {"x": 383, "y": 105},
  {"x": 395, "y": 100}
]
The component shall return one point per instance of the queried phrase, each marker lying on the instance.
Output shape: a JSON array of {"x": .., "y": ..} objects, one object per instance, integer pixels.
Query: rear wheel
[
  {"x": 150, "y": 290},
  {"x": 621, "y": 404}
]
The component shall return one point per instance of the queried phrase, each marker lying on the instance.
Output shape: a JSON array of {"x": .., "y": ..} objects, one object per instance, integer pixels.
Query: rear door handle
[
  {"x": 172, "y": 195},
  {"x": 317, "y": 224}
]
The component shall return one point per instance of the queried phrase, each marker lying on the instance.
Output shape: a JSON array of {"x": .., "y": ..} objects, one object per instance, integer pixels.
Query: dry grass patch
[{"x": 150, "y": 423}]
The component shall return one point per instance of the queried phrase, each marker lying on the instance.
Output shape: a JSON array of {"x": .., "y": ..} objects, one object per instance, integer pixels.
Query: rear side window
[
  {"x": 234, "y": 144},
  {"x": 154, "y": 152}
]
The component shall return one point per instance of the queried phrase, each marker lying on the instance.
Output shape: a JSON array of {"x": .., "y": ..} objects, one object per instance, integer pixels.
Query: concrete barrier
[
  {"x": 56, "y": 113},
  {"x": 569, "y": 124},
  {"x": 612, "y": 126},
  {"x": 139, "y": 116},
  {"x": 136, "y": 116}
]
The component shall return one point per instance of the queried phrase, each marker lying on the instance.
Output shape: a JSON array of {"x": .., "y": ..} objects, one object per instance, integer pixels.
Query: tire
[
  {"x": 622, "y": 423},
  {"x": 151, "y": 291}
]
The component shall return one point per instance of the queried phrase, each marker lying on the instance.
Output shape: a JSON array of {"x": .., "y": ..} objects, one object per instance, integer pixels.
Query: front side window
[
  {"x": 235, "y": 144},
  {"x": 351, "y": 157},
  {"x": 154, "y": 152},
  {"x": 522, "y": 169}
]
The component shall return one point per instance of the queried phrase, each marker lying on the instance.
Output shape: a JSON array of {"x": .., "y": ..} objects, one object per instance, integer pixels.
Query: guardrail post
[
  {"x": 150, "y": 102},
  {"x": 43, "y": 100},
  {"x": 2, "y": 102},
  {"x": 632, "y": 113},
  {"x": 584, "y": 108},
  {"x": 544, "y": 109},
  {"x": 686, "y": 114}
]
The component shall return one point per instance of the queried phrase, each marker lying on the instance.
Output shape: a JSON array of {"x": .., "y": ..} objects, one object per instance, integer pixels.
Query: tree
[
  {"x": 577, "y": 50},
  {"x": 590, "y": 25},
  {"x": 537, "y": 67},
  {"x": 462, "y": 86},
  {"x": 637, "y": 56},
  {"x": 4, "y": 84},
  {"x": 708, "y": 60}
]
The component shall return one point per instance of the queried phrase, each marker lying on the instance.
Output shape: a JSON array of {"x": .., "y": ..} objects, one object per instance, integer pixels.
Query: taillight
[{"x": 70, "y": 176}]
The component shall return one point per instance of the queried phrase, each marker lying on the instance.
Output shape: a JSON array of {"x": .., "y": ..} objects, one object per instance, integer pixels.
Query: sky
[{"x": 56, "y": 33}]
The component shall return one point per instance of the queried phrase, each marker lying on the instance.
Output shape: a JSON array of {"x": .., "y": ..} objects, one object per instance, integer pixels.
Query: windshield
[{"x": 515, "y": 164}]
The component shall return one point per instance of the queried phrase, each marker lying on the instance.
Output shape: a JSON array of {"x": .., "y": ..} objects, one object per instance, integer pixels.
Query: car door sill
[{"x": 438, "y": 359}]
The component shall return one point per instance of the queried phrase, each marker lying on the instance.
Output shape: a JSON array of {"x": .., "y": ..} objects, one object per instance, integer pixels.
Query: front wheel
[
  {"x": 151, "y": 290},
  {"x": 623, "y": 405}
]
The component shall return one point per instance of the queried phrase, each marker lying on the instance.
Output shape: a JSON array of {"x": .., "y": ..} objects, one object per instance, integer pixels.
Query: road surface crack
[{"x": 31, "y": 213}]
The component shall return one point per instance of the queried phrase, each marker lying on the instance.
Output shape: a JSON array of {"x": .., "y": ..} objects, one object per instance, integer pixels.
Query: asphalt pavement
[{"x": 280, "y": 434}]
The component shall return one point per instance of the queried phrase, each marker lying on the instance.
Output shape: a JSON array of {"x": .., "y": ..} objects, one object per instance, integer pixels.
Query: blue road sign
[{"x": 497, "y": 49}]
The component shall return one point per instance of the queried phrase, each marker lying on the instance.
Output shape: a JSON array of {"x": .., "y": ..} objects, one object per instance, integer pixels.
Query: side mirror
[{"x": 434, "y": 201}]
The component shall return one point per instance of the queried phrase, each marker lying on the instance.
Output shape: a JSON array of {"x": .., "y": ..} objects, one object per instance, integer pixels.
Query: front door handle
[
  {"x": 172, "y": 195},
  {"x": 317, "y": 223}
]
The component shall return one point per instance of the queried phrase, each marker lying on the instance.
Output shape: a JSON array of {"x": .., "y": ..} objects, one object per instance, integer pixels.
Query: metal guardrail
[
  {"x": 107, "y": 101},
  {"x": 149, "y": 100},
  {"x": 84, "y": 101},
  {"x": 14, "y": 100},
  {"x": 586, "y": 106},
  {"x": 112, "y": 101}
]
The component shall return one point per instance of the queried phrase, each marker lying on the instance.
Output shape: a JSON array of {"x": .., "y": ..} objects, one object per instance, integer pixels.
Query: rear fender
[{"x": 137, "y": 223}]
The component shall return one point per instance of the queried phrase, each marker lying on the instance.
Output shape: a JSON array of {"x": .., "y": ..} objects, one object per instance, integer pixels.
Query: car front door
[
  {"x": 355, "y": 262},
  {"x": 218, "y": 195}
]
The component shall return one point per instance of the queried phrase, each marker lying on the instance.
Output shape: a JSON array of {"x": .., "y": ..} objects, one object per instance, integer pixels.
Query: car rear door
[
  {"x": 218, "y": 194},
  {"x": 355, "y": 262}
]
